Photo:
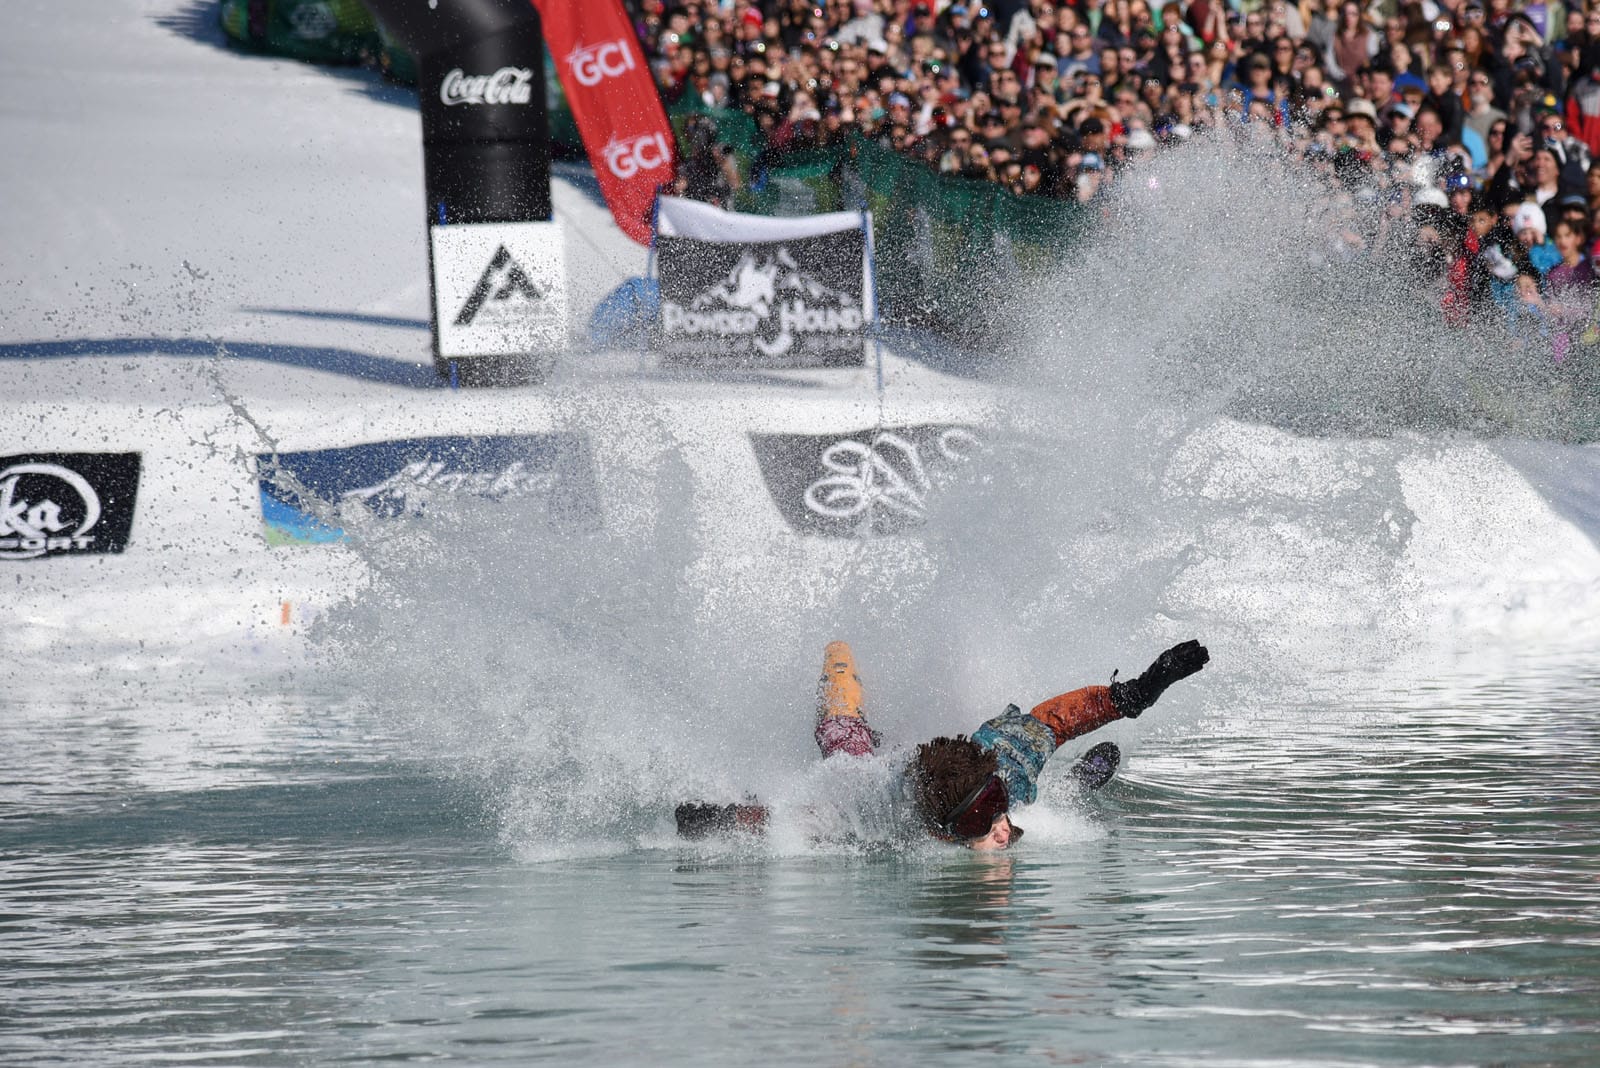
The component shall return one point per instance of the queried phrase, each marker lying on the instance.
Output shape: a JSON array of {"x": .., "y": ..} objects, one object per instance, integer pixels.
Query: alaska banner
[
  {"x": 745, "y": 291},
  {"x": 306, "y": 495}
]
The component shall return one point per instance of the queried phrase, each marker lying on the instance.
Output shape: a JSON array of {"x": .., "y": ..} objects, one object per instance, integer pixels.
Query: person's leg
[{"x": 841, "y": 717}]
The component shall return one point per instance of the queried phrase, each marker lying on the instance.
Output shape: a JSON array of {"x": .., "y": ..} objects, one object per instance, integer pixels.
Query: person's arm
[
  {"x": 1071, "y": 715},
  {"x": 1076, "y": 713}
]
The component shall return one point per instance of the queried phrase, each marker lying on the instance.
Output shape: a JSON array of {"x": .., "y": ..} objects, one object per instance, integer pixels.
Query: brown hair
[{"x": 943, "y": 772}]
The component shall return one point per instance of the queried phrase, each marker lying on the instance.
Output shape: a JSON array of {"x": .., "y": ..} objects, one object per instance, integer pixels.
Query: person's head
[
  {"x": 1497, "y": 135},
  {"x": 1546, "y": 168},
  {"x": 959, "y": 796},
  {"x": 1081, "y": 41},
  {"x": 1480, "y": 90},
  {"x": 1550, "y": 127},
  {"x": 1481, "y": 215},
  {"x": 1361, "y": 119},
  {"x": 1568, "y": 236},
  {"x": 1380, "y": 85},
  {"x": 1527, "y": 222},
  {"x": 1399, "y": 116},
  {"x": 1429, "y": 128},
  {"x": 1527, "y": 287}
]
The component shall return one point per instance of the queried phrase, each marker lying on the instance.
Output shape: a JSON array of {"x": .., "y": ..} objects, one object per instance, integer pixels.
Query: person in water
[{"x": 962, "y": 789}]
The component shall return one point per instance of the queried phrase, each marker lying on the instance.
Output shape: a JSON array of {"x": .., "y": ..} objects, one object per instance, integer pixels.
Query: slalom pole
[
  {"x": 650, "y": 257},
  {"x": 872, "y": 279},
  {"x": 877, "y": 340}
]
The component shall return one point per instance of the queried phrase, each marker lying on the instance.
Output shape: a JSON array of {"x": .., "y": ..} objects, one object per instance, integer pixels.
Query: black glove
[{"x": 1134, "y": 696}]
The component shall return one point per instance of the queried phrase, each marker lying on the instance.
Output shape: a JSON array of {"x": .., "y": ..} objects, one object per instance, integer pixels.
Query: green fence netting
[{"x": 323, "y": 31}]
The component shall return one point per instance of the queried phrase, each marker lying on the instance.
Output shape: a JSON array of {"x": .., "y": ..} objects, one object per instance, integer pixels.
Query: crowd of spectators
[{"x": 1459, "y": 133}]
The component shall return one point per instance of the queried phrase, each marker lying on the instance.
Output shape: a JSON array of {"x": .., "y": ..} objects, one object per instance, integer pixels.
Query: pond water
[{"x": 1414, "y": 881}]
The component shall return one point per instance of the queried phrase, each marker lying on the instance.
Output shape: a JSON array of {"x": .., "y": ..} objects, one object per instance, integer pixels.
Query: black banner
[
  {"x": 780, "y": 304},
  {"x": 66, "y": 503},
  {"x": 871, "y": 481}
]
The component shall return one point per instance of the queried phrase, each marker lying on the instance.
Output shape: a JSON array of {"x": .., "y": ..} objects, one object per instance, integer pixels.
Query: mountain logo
[
  {"x": 503, "y": 290},
  {"x": 758, "y": 288}
]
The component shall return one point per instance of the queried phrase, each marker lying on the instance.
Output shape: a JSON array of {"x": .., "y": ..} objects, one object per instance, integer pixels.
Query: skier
[{"x": 962, "y": 789}]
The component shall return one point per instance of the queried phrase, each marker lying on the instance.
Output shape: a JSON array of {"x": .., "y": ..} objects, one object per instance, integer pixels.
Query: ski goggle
[{"x": 974, "y": 816}]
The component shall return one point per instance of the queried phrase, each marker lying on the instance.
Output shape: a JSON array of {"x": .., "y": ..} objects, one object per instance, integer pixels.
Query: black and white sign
[
  {"x": 500, "y": 288},
  {"x": 747, "y": 291},
  {"x": 66, "y": 503},
  {"x": 873, "y": 481}
]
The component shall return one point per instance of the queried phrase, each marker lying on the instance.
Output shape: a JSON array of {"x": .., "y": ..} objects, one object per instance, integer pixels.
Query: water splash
[{"x": 1202, "y": 431}]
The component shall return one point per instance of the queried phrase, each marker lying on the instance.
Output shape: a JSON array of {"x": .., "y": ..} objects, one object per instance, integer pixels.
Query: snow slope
[{"x": 209, "y": 255}]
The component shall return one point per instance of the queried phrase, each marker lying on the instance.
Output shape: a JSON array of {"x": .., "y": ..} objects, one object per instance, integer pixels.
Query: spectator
[
  {"x": 1528, "y": 224},
  {"x": 1442, "y": 98},
  {"x": 1480, "y": 113},
  {"x": 1353, "y": 46},
  {"x": 1425, "y": 123},
  {"x": 1571, "y": 287}
]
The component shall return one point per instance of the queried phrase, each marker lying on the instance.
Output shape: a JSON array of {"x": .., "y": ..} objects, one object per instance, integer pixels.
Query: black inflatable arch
[{"x": 488, "y": 162}]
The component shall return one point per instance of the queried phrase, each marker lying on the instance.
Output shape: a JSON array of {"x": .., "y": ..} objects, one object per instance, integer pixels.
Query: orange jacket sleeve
[{"x": 1077, "y": 713}]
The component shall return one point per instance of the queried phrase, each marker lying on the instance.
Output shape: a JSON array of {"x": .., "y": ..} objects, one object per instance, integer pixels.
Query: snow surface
[{"x": 208, "y": 254}]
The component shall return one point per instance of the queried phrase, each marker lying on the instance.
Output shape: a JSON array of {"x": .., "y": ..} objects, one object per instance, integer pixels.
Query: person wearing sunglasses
[{"x": 963, "y": 788}]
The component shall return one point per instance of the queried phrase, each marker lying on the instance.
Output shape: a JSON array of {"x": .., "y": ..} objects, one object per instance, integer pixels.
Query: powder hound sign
[
  {"x": 66, "y": 503},
  {"x": 742, "y": 291}
]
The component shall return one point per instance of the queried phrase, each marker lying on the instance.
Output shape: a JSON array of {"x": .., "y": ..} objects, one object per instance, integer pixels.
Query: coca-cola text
[{"x": 508, "y": 85}]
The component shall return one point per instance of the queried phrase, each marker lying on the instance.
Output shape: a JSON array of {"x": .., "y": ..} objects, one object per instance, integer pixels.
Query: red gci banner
[{"x": 614, "y": 100}]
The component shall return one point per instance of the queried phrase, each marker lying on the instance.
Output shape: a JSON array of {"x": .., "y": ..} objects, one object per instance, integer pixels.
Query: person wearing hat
[
  {"x": 1396, "y": 125},
  {"x": 1529, "y": 226},
  {"x": 1257, "y": 87},
  {"x": 1361, "y": 132}
]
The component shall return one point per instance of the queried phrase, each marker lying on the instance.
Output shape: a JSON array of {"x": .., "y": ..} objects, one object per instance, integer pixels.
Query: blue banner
[{"x": 388, "y": 479}]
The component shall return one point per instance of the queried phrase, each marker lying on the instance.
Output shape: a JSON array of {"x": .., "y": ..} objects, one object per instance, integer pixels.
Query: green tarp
[{"x": 323, "y": 31}]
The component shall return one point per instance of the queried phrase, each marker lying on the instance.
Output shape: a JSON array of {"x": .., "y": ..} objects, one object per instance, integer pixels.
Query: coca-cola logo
[
  {"x": 627, "y": 157},
  {"x": 592, "y": 64},
  {"x": 508, "y": 85}
]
